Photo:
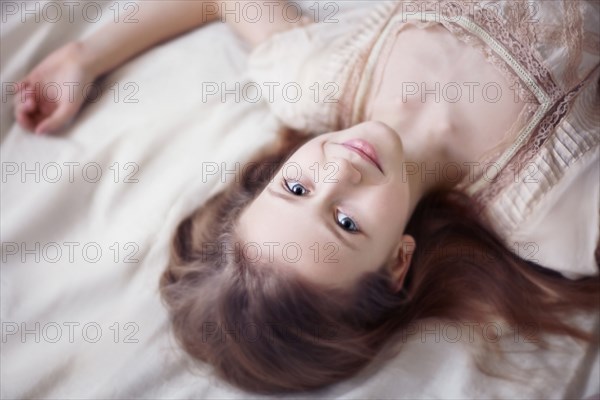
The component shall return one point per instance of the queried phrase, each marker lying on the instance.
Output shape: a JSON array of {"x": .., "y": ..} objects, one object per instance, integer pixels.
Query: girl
[{"x": 443, "y": 172}]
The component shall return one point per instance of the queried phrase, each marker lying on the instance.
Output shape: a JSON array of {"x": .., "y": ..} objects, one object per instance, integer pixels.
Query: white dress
[{"x": 544, "y": 197}]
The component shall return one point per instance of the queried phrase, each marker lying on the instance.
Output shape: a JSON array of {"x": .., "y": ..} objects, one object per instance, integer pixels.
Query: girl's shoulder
[{"x": 303, "y": 73}]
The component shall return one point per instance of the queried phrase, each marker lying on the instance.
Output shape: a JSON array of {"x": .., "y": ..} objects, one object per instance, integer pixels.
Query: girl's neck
[
  {"x": 430, "y": 88},
  {"x": 429, "y": 164}
]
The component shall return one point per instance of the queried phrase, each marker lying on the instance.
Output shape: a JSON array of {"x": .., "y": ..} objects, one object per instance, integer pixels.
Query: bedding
[{"x": 88, "y": 214}]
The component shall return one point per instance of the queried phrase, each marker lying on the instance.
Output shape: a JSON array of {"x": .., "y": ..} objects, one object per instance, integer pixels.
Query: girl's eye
[
  {"x": 295, "y": 188},
  {"x": 346, "y": 222},
  {"x": 343, "y": 220}
]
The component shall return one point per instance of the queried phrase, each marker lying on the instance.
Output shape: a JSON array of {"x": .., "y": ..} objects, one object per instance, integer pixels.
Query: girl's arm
[
  {"x": 151, "y": 22},
  {"x": 160, "y": 20}
]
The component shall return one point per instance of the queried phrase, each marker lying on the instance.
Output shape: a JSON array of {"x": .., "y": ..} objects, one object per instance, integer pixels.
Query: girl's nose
[{"x": 345, "y": 172}]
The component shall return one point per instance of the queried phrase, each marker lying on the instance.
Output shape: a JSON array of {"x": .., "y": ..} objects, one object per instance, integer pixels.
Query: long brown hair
[{"x": 267, "y": 330}]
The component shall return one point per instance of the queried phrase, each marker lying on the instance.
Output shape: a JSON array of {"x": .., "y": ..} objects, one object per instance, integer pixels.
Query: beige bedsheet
[{"x": 87, "y": 217}]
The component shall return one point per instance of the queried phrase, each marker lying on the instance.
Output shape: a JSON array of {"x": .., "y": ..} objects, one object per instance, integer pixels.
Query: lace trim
[
  {"x": 467, "y": 26},
  {"x": 514, "y": 48},
  {"x": 559, "y": 108},
  {"x": 517, "y": 51},
  {"x": 510, "y": 47},
  {"x": 487, "y": 159},
  {"x": 573, "y": 38},
  {"x": 523, "y": 158}
]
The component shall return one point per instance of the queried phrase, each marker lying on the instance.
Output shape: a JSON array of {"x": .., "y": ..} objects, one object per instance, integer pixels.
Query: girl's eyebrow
[{"x": 332, "y": 229}]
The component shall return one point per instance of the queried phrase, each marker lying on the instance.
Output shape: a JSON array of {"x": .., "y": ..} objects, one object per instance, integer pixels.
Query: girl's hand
[{"x": 53, "y": 92}]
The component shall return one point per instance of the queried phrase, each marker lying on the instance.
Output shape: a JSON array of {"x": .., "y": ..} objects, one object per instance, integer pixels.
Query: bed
[{"x": 87, "y": 217}]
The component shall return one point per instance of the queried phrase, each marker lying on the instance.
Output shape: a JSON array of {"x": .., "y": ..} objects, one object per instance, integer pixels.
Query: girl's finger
[
  {"x": 56, "y": 120},
  {"x": 25, "y": 120},
  {"x": 25, "y": 100},
  {"x": 29, "y": 105}
]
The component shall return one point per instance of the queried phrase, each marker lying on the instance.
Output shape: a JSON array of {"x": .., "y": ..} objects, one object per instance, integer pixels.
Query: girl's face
[{"x": 331, "y": 214}]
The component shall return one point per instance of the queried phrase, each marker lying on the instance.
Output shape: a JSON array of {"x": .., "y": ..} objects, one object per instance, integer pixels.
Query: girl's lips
[{"x": 365, "y": 150}]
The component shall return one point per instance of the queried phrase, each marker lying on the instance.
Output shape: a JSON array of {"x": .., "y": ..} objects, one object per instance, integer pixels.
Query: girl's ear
[{"x": 400, "y": 263}]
